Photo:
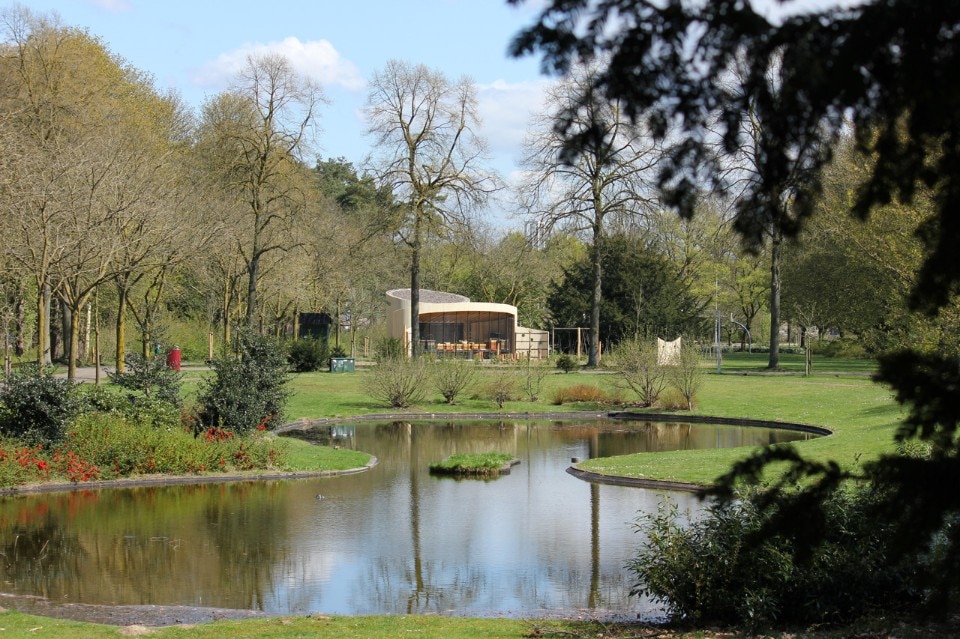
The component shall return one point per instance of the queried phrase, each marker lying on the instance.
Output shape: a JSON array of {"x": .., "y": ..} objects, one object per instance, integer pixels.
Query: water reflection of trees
[
  {"x": 173, "y": 545},
  {"x": 37, "y": 554}
]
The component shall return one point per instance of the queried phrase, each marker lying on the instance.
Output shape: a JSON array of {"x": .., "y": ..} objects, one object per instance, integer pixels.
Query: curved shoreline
[
  {"x": 305, "y": 423},
  {"x": 585, "y": 475},
  {"x": 170, "y": 480}
]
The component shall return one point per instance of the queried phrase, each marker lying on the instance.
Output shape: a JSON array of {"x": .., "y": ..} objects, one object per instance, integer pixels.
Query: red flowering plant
[
  {"x": 75, "y": 468},
  {"x": 22, "y": 464},
  {"x": 217, "y": 434}
]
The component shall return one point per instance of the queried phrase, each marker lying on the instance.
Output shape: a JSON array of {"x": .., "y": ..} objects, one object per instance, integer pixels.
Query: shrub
[
  {"x": 567, "y": 363},
  {"x": 686, "y": 374},
  {"x": 578, "y": 393},
  {"x": 152, "y": 378},
  {"x": 398, "y": 382},
  {"x": 451, "y": 377},
  {"x": 503, "y": 387},
  {"x": 111, "y": 443},
  {"x": 491, "y": 463},
  {"x": 248, "y": 390},
  {"x": 140, "y": 410},
  {"x": 721, "y": 569},
  {"x": 531, "y": 374},
  {"x": 100, "y": 399},
  {"x": 21, "y": 464},
  {"x": 671, "y": 399},
  {"x": 118, "y": 448},
  {"x": 307, "y": 355},
  {"x": 843, "y": 347},
  {"x": 637, "y": 368},
  {"x": 338, "y": 351},
  {"x": 37, "y": 407}
]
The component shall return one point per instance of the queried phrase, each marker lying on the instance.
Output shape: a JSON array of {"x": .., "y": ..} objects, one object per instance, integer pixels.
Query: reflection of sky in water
[{"x": 390, "y": 540}]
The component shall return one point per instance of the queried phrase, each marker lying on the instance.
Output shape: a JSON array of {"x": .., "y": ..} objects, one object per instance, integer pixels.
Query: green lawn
[
  {"x": 791, "y": 362},
  {"x": 861, "y": 414}
]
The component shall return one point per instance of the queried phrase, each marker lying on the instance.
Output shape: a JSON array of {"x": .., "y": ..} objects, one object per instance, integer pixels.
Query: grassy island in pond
[{"x": 483, "y": 464}]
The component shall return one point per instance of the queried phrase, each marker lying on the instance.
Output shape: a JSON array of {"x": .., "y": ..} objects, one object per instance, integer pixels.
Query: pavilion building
[{"x": 451, "y": 324}]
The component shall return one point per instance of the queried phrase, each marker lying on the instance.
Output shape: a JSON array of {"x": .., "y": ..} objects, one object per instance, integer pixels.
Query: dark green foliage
[
  {"x": 247, "y": 389},
  {"x": 724, "y": 568},
  {"x": 150, "y": 377},
  {"x": 641, "y": 295},
  {"x": 137, "y": 410},
  {"x": 307, "y": 355},
  {"x": 338, "y": 351},
  {"x": 566, "y": 363},
  {"x": 339, "y": 180},
  {"x": 37, "y": 407}
]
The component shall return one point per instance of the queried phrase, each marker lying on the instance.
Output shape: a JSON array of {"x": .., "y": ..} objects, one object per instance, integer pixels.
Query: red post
[{"x": 173, "y": 358}]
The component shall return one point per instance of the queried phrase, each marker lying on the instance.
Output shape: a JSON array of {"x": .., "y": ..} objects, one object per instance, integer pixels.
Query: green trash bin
[{"x": 343, "y": 365}]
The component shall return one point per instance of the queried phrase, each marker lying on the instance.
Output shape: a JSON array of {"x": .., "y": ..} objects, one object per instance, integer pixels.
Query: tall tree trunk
[
  {"x": 415, "y": 288},
  {"x": 225, "y": 314},
  {"x": 73, "y": 339},
  {"x": 415, "y": 300},
  {"x": 147, "y": 338},
  {"x": 20, "y": 311},
  {"x": 775, "y": 257},
  {"x": 254, "y": 272},
  {"x": 121, "y": 328},
  {"x": 336, "y": 326},
  {"x": 593, "y": 354},
  {"x": 43, "y": 325},
  {"x": 66, "y": 328}
]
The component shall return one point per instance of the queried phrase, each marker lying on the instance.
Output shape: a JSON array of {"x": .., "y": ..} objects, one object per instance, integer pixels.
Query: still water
[{"x": 535, "y": 542}]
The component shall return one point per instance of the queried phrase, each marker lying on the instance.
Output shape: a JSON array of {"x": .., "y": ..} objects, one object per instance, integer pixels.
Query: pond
[{"x": 393, "y": 540}]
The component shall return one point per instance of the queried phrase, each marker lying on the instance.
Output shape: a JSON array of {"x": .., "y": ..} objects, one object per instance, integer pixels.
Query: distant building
[
  {"x": 314, "y": 325},
  {"x": 452, "y": 324}
]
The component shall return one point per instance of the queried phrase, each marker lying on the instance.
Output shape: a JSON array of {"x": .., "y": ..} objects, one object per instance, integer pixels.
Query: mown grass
[
  {"x": 861, "y": 414},
  {"x": 793, "y": 363},
  {"x": 471, "y": 464},
  {"x": 15, "y": 624},
  {"x": 306, "y": 457}
]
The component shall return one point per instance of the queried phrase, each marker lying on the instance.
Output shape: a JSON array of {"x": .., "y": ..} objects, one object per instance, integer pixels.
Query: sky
[{"x": 196, "y": 47}]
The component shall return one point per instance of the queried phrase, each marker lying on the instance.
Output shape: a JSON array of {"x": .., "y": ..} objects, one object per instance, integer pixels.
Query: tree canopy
[{"x": 644, "y": 297}]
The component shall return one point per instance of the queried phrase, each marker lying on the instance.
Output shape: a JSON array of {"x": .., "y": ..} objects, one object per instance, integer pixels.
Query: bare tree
[
  {"x": 255, "y": 135},
  {"x": 609, "y": 181},
  {"x": 429, "y": 152}
]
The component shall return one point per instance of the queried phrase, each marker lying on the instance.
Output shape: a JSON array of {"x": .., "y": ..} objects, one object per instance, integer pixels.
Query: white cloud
[
  {"x": 316, "y": 59},
  {"x": 117, "y": 6},
  {"x": 506, "y": 109}
]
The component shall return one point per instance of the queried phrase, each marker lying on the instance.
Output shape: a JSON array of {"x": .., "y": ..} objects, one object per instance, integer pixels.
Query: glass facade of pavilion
[{"x": 478, "y": 332}]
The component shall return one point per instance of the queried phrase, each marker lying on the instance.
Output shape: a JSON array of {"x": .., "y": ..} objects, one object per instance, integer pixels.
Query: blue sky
[{"x": 195, "y": 47}]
